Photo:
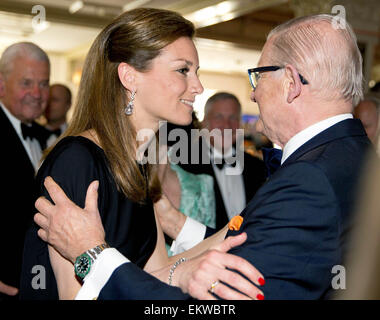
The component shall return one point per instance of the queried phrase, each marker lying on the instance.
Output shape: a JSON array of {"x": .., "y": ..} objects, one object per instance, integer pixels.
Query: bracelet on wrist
[{"x": 172, "y": 269}]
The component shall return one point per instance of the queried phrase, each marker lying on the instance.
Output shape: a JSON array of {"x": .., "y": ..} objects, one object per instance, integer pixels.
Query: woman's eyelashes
[{"x": 183, "y": 71}]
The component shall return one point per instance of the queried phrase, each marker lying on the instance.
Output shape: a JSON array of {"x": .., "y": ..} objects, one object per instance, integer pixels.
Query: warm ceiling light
[
  {"x": 205, "y": 14},
  {"x": 134, "y": 4},
  {"x": 76, "y": 6},
  {"x": 223, "y": 8},
  {"x": 76, "y": 77},
  {"x": 39, "y": 27},
  {"x": 217, "y": 13}
]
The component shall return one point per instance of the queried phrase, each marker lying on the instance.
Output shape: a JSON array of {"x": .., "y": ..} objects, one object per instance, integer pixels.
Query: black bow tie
[
  {"x": 272, "y": 159},
  {"x": 225, "y": 162},
  {"x": 29, "y": 131},
  {"x": 35, "y": 131}
]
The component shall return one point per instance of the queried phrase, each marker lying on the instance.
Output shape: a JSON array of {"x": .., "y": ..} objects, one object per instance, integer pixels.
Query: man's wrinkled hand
[{"x": 70, "y": 229}]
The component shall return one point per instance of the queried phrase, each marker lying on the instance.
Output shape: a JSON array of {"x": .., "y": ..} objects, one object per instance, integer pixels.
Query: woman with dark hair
[{"x": 141, "y": 69}]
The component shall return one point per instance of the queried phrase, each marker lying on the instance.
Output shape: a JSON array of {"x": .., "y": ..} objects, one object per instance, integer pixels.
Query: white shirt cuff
[
  {"x": 190, "y": 235},
  {"x": 105, "y": 264}
]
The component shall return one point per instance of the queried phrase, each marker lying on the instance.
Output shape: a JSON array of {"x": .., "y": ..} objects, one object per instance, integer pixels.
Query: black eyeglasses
[{"x": 254, "y": 74}]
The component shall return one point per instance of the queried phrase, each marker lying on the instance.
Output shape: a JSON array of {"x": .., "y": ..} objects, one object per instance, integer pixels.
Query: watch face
[{"x": 82, "y": 265}]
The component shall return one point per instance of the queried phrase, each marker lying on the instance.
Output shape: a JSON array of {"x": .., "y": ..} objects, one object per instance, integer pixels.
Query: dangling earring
[{"x": 129, "y": 108}]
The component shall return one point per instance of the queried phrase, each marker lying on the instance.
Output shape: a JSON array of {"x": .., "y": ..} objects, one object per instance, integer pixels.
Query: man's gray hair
[
  {"x": 217, "y": 97},
  {"x": 21, "y": 49},
  {"x": 332, "y": 65}
]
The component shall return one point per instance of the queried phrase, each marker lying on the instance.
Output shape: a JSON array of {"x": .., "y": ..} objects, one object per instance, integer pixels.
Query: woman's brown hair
[{"x": 135, "y": 37}]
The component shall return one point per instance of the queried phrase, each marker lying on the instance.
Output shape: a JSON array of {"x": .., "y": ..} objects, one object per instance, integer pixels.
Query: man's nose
[
  {"x": 36, "y": 91},
  {"x": 226, "y": 124}
]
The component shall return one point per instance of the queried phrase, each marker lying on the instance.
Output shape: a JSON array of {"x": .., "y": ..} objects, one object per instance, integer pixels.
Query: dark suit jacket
[
  {"x": 297, "y": 223},
  {"x": 18, "y": 193},
  {"x": 254, "y": 175},
  {"x": 129, "y": 282}
]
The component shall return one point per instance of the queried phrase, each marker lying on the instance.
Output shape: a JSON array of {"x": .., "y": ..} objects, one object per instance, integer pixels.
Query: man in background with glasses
[{"x": 308, "y": 79}]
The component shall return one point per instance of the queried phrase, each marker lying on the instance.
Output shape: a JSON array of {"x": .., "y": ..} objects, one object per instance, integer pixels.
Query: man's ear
[
  {"x": 294, "y": 83},
  {"x": 127, "y": 75}
]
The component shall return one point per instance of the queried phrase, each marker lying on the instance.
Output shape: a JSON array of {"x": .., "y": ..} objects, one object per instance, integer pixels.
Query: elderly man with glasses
[{"x": 308, "y": 79}]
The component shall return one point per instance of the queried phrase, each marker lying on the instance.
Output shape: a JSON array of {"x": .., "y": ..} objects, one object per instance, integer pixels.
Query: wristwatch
[{"x": 83, "y": 263}]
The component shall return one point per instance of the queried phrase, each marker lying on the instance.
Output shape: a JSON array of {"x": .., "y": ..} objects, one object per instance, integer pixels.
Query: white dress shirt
[
  {"x": 190, "y": 235},
  {"x": 310, "y": 132},
  {"x": 54, "y": 137},
  {"x": 231, "y": 185},
  {"x": 103, "y": 267},
  {"x": 32, "y": 146}
]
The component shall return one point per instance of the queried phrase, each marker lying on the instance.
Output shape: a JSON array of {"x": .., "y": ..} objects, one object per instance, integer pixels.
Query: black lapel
[
  {"x": 11, "y": 140},
  {"x": 345, "y": 128}
]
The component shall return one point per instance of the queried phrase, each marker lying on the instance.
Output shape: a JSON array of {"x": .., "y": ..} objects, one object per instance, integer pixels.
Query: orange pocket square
[{"x": 235, "y": 223}]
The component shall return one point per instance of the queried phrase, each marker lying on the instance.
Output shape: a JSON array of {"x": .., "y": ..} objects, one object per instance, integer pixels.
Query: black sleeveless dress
[{"x": 130, "y": 227}]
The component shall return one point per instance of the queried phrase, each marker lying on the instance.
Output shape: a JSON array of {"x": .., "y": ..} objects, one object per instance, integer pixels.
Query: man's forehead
[
  {"x": 225, "y": 112},
  {"x": 224, "y": 104},
  {"x": 30, "y": 68},
  {"x": 265, "y": 54}
]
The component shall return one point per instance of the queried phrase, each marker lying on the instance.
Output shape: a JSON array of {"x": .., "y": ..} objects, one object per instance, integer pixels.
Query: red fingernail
[
  {"x": 260, "y": 297},
  {"x": 261, "y": 281}
]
